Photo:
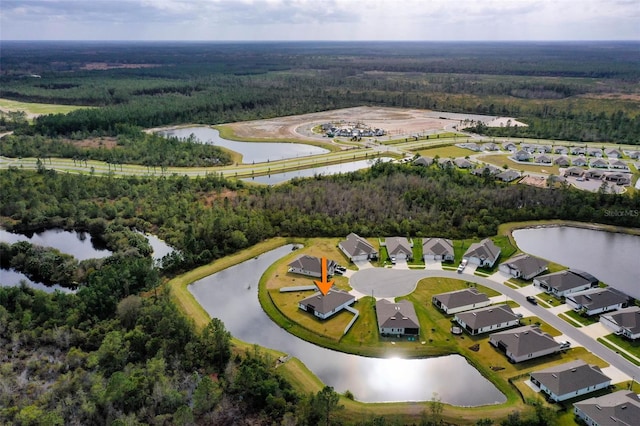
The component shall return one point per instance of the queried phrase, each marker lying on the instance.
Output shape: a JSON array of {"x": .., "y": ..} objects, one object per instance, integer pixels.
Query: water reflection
[
  {"x": 11, "y": 277},
  {"x": 252, "y": 152},
  {"x": 231, "y": 295},
  {"x": 333, "y": 169},
  {"x": 78, "y": 244},
  {"x": 611, "y": 257}
]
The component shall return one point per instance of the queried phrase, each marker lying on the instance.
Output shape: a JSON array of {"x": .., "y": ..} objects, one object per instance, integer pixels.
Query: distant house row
[
  {"x": 615, "y": 177},
  {"x": 478, "y": 170}
]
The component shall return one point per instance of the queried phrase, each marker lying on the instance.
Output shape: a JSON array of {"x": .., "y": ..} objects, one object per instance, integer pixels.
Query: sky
[{"x": 296, "y": 20}]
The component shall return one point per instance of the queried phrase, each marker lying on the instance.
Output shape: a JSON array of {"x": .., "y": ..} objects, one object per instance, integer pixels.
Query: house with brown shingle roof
[
  {"x": 437, "y": 249},
  {"x": 357, "y": 248},
  {"x": 524, "y": 343},
  {"x": 485, "y": 253},
  {"x": 487, "y": 319},
  {"x": 624, "y": 322},
  {"x": 460, "y": 300},
  {"x": 620, "y": 408},
  {"x": 524, "y": 266},
  {"x": 325, "y": 306},
  {"x": 569, "y": 380},
  {"x": 397, "y": 319}
]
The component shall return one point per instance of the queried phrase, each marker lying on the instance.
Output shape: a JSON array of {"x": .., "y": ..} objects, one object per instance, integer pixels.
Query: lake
[
  {"x": 613, "y": 258},
  {"x": 333, "y": 169},
  {"x": 252, "y": 152},
  {"x": 232, "y": 296},
  {"x": 78, "y": 244}
]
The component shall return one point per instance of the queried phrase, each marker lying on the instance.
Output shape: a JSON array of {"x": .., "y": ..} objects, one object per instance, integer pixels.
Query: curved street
[{"x": 389, "y": 282}]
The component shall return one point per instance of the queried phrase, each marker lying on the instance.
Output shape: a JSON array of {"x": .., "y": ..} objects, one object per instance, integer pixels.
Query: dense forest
[{"x": 117, "y": 350}]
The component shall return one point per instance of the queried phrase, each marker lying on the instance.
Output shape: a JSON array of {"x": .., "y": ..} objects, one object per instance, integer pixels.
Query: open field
[{"x": 35, "y": 109}]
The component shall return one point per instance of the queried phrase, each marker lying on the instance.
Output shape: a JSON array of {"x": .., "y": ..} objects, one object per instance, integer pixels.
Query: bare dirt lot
[{"x": 395, "y": 121}]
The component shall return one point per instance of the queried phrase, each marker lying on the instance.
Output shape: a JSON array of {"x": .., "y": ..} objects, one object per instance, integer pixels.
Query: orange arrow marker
[{"x": 324, "y": 286}]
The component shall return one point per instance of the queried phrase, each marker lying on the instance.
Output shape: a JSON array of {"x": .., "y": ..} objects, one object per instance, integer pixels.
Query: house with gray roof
[
  {"x": 562, "y": 161},
  {"x": 618, "y": 164},
  {"x": 522, "y": 155},
  {"x": 311, "y": 266},
  {"x": 487, "y": 319},
  {"x": 524, "y": 343},
  {"x": 490, "y": 146},
  {"x": 618, "y": 178},
  {"x": 524, "y": 266},
  {"x": 357, "y": 248},
  {"x": 574, "y": 171},
  {"x": 463, "y": 163},
  {"x": 621, "y": 408},
  {"x": 599, "y": 163},
  {"x": 485, "y": 253},
  {"x": 560, "y": 284},
  {"x": 597, "y": 300},
  {"x": 399, "y": 248},
  {"x": 509, "y": 146},
  {"x": 460, "y": 300},
  {"x": 486, "y": 168},
  {"x": 613, "y": 153},
  {"x": 470, "y": 145},
  {"x": 445, "y": 162},
  {"x": 508, "y": 175},
  {"x": 566, "y": 381},
  {"x": 325, "y": 306},
  {"x": 580, "y": 162},
  {"x": 437, "y": 249},
  {"x": 634, "y": 155},
  {"x": 423, "y": 161},
  {"x": 594, "y": 152},
  {"x": 397, "y": 319},
  {"x": 624, "y": 322},
  {"x": 563, "y": 150},
  {"x": 594, "y": 174},
  {"x": 578, "y": 150},
  {"x": 543, "y": 159}
]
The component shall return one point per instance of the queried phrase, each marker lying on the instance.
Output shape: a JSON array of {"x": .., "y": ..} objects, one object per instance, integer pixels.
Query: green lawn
[
  {"x": 36, "y": 108},
  {"x": 446, "y": 152}
]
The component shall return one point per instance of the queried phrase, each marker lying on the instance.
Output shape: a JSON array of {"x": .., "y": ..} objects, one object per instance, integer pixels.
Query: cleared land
[{"x": 34, "y": 109}]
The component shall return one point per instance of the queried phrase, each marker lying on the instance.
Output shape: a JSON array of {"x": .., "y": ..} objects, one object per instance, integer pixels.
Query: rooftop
[
  {"x": 525, "y": 340},
  {"x": 467, "y": 296},
  {"x": 526, "y": 264},
  {"x": 570, "y": 377},
  {"x": 396, "y": 315},
  {"x": 620, "y": 408},
  {"x": 329, "y": 302},
  {"x": 484, "y": 317}
]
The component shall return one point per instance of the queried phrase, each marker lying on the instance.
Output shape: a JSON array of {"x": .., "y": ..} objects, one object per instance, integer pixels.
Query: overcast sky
[{"x": 320, "y": 19}]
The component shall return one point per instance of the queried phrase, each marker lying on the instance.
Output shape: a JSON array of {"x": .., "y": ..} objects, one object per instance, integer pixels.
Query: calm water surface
[
  {"x": 252, "y": 152},
  {"x": 611, "y": 257},
  {"x": 78, "y": 244},
  {"x": 11, "y": 277},
  {"x": 231, "y": 295}
]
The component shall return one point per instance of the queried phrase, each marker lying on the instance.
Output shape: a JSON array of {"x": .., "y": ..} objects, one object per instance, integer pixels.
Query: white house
[
  {"x": 357, "y": 248},
  {"x": 597, "y": 300},
  {"x": 399, "y": 247},
  {"x": 625, "y": 322},
  {"x": 311, "y": 266},
  {"x": 621, "y": 408},
  {"x": 524, "y": 343},
  {"x": 398, "y": 319},
  {"x": 485, "y": 253},
  {"x": 563, "y": 283},
  {"x": 524, "y": 266},
  {"x": 565, "y": 381},
  {"x": 460, "y": 300},
  {"x": 437, "y": 249},
  {"x": 487, "y": 319},
  {"x": 325, "y": 306}
]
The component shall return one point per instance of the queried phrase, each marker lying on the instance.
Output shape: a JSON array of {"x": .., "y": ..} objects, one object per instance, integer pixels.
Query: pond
[
  {"x": 252, "y": 152},
  {"x": 352, "y": 166},
  {"x": 609, "y": 256},
  {"x": 11, "y": 277},
  {"x": 78, "y": 244},
  {"x": 232, "y": 296}
]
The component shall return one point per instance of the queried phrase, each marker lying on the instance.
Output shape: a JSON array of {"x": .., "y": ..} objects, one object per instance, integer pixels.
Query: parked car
[
  {"x": 463, "y": 265},
  {"x": 532, "y": 300},
  {"x": 393, "y": 260},
  {"x": 565, "y": 345}
]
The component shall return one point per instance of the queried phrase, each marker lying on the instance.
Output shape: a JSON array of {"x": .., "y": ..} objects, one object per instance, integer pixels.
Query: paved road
[{"x": 392, "y": 283}]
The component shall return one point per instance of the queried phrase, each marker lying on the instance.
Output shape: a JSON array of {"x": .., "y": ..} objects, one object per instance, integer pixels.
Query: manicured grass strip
[
  {"x": 581, "y": 319},
  {"x": 630, "y": 346},
  {"x": 608, "y": 344},
  {"x": 570, "y": 320}
]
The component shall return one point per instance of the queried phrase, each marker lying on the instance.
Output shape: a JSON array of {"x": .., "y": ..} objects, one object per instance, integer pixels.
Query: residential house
[
  {"x": 470, "y": 145},
  {"x": 397, "y": 319},
  {"x": 634, "y": 155},
  {"x": 578, "y": 150},
  {"x": 544, "y": 159},
  {"x": 311, "y": 266},
  {"x": 594, "y": 152},
  {"x": 486, "y": 168},
  {"x": 579, "y": 162},
  {"x": 524, "y": 343},
  {"x": 460, "y": 300},
  {"x": 445, "y": 162},
  {"x": 423, "y": 161},
  {"x": 566, "y": 381},
  {"x": 399, "y": 248},
  {"x": 463, "y": 163},
  {"x": 527, "y": 147},
  {"x": 562, "y": 161},
  {"x": 509, "y": 146},
  {"x": 485, "y": 253},
  {"x": 325, "y": 306},
  {"x": 594, "y": 174},
  {"x": 563, "y": 150},
  {"x": 484, "y": 320},
  {"x": 508, "y": 175},
  {"x": 621, "y": 408},
  {"x": 618, "y": 164},
  {"x": 599, "y": 163},
  {"x": 548, "y": 149},
  {"x": 357, "y": 248},
  {"x": 437, "y": 249},
  {"x": 490, "y": 147},
  {"x": 522, "y": 155},
  {"x": 563, "y": 283},
  {"x": 524, "y": 266},
  {"x": 624, "y": 322},
  {"x": 597, "y": 300},
  {"x": 574, "y": 171},
  {"x": 613, "y": 153},
  {"x": 618, "y": 178}
]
